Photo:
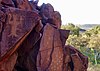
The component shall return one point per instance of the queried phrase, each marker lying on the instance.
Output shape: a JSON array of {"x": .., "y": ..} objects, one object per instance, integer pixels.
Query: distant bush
[{"x": 88, "y": 42}]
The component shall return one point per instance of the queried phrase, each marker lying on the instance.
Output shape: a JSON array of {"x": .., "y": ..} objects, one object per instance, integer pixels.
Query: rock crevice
[{"x": 31, "y": 39}]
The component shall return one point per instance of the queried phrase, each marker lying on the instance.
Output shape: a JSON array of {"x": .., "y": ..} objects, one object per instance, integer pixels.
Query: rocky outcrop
[{"x": 31, "y": 39}]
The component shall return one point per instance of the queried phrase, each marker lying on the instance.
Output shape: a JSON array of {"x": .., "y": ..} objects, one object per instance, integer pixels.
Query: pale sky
[{"x": 77, "y": 11}]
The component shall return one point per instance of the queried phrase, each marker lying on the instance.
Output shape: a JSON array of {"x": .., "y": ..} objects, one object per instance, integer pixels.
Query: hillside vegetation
[{"x": 88, "y": 42}]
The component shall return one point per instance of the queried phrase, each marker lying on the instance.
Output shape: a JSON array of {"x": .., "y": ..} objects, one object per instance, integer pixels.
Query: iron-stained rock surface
[{"x": 31, "y": 39}]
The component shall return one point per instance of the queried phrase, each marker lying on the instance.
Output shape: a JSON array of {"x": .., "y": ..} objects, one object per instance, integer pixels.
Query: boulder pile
[{"x": 31, "y": 39}]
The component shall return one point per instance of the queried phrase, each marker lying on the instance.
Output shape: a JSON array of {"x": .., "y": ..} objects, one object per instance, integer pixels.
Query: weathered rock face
[
  {"x": 50, "y": 57},
  {"x": 46, "y": 11},
  {"x": 31, "y": 39},
  {"x": 16, "y": 27},
  {"x": 74, "y": 60},
  {"x": 8, "y": 2}
]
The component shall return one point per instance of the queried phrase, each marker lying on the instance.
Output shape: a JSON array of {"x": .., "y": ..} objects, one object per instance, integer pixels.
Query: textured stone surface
[
  {"x": 8, "y": 3},
  {"x": 16, "y": 27},
  {"x": 23, "y": 4},
  {"x": 9, "y": 64},
  {"x": 54, "y": 56},
  {"x": 46, "y": 11},
  {"x": 76, "y": 60},
  {"x": 50, "y": 52},
  {"x": 31, "y": 39},
  {"x": 49, "y": 15}
]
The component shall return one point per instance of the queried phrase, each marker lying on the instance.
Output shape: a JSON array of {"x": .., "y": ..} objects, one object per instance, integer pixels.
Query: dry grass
[{"x": 94, "y": 67}]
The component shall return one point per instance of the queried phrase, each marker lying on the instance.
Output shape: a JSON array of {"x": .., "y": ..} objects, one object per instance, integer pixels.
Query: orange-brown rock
[
  {"x": 50, "y": 56},
  {"x": 31, "y": 39},
  {"x": 74, "y": 60},
  {"x": 8, "y": 3},
  {"x": 54, "y": 56},
  {"x": 49, "y": 15},
  {"x": 14, "y": 30},
  {"x": 23, "y": 4}
]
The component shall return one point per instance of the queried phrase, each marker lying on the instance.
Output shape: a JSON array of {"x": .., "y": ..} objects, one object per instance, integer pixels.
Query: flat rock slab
[{"x": 18, "y": 23}]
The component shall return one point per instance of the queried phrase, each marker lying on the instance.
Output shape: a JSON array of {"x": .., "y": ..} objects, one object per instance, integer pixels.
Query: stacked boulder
[{"x": 31, "y": 39}]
